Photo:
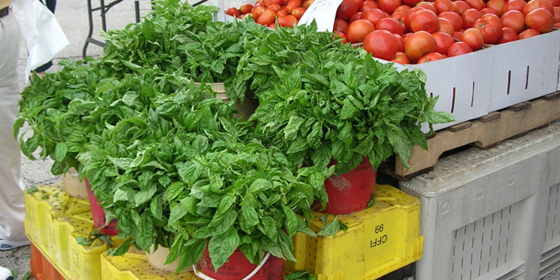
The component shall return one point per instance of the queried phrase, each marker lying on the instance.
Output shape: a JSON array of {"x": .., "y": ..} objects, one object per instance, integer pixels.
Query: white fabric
[
  {"x": 43, "y": 35},
  {"x": 11, "y": 186}
]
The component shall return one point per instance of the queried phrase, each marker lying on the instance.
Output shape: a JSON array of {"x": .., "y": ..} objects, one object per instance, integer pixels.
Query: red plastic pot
[
  {"x": 238, "y": 267},
  {"x": 98, "y": 214},
  {"x": 351, "y": 192}
]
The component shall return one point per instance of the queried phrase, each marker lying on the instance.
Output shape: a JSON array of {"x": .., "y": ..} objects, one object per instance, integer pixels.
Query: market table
[{"x": 104, "y": 9}]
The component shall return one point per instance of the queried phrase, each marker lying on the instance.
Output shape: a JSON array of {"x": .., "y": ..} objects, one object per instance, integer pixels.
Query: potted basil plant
[
  {"x": 335, "y": 104},
  {"x": 243, "y": 201}
]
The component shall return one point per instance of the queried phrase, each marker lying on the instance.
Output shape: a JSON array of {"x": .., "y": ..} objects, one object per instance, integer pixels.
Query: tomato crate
[
  {"x": 53, "y": 222},
  {"x": 379, "y": 240},
  {"x": 134, "y": 266},
  {"x": 472, "y": 85},
  {"x": 492, "y": 214}
]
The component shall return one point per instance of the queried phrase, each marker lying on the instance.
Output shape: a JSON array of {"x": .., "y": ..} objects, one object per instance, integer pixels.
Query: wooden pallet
[{"x": 484, "y": 132}]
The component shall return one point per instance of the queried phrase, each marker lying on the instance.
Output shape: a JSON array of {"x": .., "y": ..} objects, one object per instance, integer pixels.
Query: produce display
[
  {"x": 173, "y": 164},
  {"x": 416, "y": 31}
]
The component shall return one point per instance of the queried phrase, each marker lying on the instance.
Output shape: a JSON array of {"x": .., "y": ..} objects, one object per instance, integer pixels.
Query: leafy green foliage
[
  {"x": 335, "y": 102},
  {"x": 175, "y": 167}
]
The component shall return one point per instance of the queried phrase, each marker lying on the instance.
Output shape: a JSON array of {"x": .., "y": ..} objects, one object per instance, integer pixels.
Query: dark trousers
[{"x": 51, "y": 4}]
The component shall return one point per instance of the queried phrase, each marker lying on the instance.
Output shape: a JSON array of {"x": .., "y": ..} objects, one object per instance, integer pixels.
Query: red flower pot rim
[{"x": 206, "y": 277}]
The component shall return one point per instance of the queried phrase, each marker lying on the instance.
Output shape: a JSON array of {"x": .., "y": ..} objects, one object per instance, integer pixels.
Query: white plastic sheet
[{"x": 39, "y": 28}]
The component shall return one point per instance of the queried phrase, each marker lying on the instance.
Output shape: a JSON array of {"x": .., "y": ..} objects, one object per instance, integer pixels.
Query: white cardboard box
[
  {"x": 524, "y": 70},
  {"x": 492, "y": 214},
  {"x": 472, "y": 85}
]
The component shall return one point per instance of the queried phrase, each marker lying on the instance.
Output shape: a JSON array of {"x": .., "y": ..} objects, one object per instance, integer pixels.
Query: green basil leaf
[{"x": 222, "y": 246}]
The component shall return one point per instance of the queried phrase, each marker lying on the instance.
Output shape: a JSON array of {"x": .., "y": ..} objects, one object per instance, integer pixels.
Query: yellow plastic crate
[
  {"x": 379, "y": 240},
  {"x": 53, "y": 221},
  {"x": 134, "y": 266}
]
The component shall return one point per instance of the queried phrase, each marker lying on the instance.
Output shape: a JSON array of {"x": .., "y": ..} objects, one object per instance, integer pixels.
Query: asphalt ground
[{"x": 72, "y": 16}]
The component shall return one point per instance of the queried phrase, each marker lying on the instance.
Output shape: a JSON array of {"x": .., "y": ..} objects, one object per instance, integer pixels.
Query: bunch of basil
[{"x": 175, "y": 166}]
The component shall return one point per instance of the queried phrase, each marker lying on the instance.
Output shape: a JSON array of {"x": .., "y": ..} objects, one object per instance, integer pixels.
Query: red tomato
[
  {"x": 473, "y": 37},
  {"x": 433, "y": 56},
  {"x": 257, "y": 11},
  {"x": 491, "y": 27},
  {"x": 508, "y": 35},
  {"x": 274, "y": 7},
  {"x": 287, "y": 21},
  {"x": 340, "y": 25},
  {"x": 443, "y": 41},
  {"x": 270, "y": 2},
  {"x": 292, "y": 4},
  {"x": 556, "y": 14},
  {"x": 476, "y": 4},
  {"x": 443, "y": 5},
  {"x": 402, "y": 9},
  {"x": 381, "y": 44},
  {"x": 409, "y": 15},
  {"x": 540, "y": 19},
  {"x": 246, "y": 8},
  {"x": 411, "y": 3},
  {"x": 341, "y": 35},
  {"x": 400, "y": 57},
  {"x": 497, "y": 6},
  {"x": 462, "y": 5},
  {"x": 528, "y": 33},
  {"x": 418, "y": 44},
  {"x": 346, "y": 9},
  {"x": 454, "y": 8},
  {"x": 373, "y": 15},
  {"x": 454, "y": 18},
  {"x": 307, "y": 3},
  {"x": 470, "y": 16},
  {"x": 358, "y": 30},
  {"x": 557, "y": 25},
  {"x": 428, "y": 6},
  {"x": 355, "y": 16},
  {"x": 281, "y": 13},
  {"x": 515, "y": 5},
  {"x": 424, "y": 20},
  {"x": 457, "y": 35},
  {"x": 267, "y": 17},
  {"x": 488, "y": 11},
  {"x": 514, "y": 19},
  {"x": 234, "y": 12},
  {"x": 400, "y": 42},
  {"x": 446, "y": 26},
  {"x": 389, "y": 6},
  {"x": 368, "y": 4},
  {"x": 458, "y": 48},
  {"x": 534, "y": 4},
  {"x": 390, "y": 24},
  {"x": 298, "y": 12},
  {"x": 271, "y": 26}
]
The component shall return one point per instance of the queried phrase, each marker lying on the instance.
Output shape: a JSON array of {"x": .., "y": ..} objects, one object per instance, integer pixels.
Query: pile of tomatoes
[
  {"x": 266, "y": 12},
  {"x": 415, "y": 31},
  {"x": 419, "y": 31}
]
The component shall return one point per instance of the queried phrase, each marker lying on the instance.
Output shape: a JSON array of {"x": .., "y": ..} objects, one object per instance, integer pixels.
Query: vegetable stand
[{"x": 175, "y": 167}]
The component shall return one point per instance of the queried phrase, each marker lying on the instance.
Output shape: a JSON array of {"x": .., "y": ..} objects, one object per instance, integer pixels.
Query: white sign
[{"x": 323, "y": 12}]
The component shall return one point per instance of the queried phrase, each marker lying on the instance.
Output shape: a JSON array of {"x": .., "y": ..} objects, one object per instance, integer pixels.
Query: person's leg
[
  {"x": 12, "y": 208},
  {"x": 51, "y": 4}
]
